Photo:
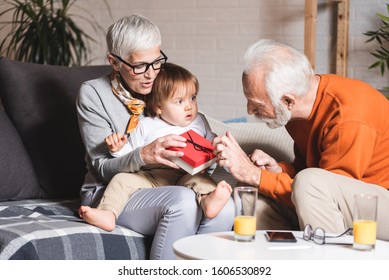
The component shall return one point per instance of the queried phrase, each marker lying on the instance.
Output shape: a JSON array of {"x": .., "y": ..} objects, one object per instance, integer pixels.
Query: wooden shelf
[
  {"x": 341, "y": 36},
  {"x": 310, "y": 30}
]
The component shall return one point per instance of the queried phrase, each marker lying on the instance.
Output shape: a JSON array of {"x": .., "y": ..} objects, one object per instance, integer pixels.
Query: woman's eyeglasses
[
  {"x": 143, "y": 67},
  {"x": 319, "y": 235}
]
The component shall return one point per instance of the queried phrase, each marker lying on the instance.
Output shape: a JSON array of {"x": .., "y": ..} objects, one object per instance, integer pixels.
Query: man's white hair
[{"x": 286, "y": 70}]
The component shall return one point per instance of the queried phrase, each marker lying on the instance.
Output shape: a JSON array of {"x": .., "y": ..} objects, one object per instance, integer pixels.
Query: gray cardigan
[{"x": 101, "y": 113}]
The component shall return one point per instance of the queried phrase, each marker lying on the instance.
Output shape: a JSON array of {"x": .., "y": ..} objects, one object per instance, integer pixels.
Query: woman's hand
[
  {"x": 156, "y": 152},
  {"x": 230, "y": 155}
]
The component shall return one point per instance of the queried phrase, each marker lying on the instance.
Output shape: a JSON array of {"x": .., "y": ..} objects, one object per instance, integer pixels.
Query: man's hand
[
  {"x": 264, "y": 161},
  {"x": 230, "y": 155}
]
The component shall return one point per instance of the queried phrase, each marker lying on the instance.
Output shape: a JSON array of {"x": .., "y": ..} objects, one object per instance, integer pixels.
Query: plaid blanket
[{"x": 38, "y": 229}]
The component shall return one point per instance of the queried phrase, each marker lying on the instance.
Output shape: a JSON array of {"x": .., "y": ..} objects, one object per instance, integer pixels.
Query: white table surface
[{"x": 222, "y": 246}]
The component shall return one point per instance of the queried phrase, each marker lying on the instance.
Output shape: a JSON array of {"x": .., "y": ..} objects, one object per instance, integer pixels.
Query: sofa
[{"x": 42, "y": 166}]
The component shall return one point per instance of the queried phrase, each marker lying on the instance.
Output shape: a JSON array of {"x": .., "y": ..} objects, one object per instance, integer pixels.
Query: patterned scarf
[{"x": 136, "y": 106}]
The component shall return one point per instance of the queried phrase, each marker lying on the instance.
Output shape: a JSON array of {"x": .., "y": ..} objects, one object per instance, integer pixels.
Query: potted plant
[
  {"x": 381, "y": 35},
  {"x": 43, "y": 31}
]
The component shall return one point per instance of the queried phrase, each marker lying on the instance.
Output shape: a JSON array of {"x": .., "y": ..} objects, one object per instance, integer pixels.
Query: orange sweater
[{"x": 347, "y": 133}]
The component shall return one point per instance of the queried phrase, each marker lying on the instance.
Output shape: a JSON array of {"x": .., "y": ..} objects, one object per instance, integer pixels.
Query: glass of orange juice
[
  {"x": 365, "y": 221},
  {"x": 245, "y": 199}
]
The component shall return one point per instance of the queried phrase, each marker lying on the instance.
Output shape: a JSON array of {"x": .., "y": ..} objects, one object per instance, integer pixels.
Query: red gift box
[{"x": 198, "y": 153}]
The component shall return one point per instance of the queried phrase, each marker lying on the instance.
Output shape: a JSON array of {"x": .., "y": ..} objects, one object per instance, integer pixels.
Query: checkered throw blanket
[{"x": 52, "y": 230}]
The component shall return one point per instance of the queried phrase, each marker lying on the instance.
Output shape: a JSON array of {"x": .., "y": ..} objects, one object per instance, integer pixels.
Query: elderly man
[{"x": 340, "y": 128}]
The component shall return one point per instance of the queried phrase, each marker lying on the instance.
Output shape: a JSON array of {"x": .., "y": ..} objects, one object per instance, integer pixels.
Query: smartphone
[{"x": 280, "y": 236}]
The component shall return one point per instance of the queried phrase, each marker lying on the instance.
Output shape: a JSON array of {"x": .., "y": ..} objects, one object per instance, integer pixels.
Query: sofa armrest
[{"x": 40, "y": 102}]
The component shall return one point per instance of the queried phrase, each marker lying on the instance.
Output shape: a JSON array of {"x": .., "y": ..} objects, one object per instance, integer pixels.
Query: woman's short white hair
[
  {"x": 130, "y": 34},
  {"x": 286, "y": 70}
]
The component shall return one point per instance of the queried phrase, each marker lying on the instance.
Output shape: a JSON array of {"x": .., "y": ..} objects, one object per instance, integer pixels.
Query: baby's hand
[{"x": 115, "y": 141}]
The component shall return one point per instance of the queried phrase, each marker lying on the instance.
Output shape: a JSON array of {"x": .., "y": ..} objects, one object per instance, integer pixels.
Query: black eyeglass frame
[
  {"x": 133, "y": 67},
  {"x": 320, "y": 239}
]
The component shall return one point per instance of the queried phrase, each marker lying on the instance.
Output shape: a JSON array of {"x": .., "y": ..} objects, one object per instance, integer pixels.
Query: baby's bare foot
[
  {"x": 214, "y": 202},
  {"x": 103, "y": 219}
]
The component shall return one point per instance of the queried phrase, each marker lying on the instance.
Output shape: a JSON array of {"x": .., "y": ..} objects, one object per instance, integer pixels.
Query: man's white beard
[{"x": 282, "y": 117}]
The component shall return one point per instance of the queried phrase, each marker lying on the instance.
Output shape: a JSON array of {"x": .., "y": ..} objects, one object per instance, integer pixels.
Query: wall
[{"x": 209, "y": 37}]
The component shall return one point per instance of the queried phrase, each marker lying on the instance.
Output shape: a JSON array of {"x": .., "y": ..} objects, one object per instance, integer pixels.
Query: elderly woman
[{"x": 114, "y": 103}]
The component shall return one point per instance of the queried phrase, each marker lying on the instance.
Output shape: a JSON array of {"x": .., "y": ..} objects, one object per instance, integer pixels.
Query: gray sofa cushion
[
  {"x": 40, "y": 102},
  {"x": 254, "y": 135},
  {"x": 17, "y": 176}
]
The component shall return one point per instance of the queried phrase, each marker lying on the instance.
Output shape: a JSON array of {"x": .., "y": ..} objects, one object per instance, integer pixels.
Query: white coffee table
[{"x": 222, "y": 246}]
